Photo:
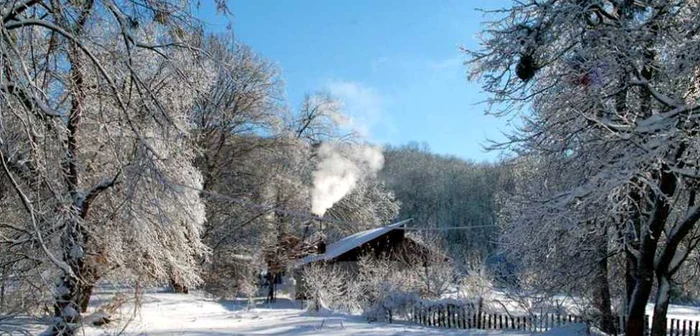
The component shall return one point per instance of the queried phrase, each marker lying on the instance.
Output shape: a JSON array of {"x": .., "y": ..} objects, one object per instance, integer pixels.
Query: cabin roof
[{"x": 350, "y": 242}]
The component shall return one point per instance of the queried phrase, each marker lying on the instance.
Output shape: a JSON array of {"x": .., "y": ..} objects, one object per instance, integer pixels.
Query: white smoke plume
[{"x": 340, "y": 167}]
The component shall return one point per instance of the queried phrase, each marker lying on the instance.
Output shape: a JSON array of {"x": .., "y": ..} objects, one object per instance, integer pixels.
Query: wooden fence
[
  {"x": 674, "y": 327},
  {"x": 469, "y": 316},
  {"x": 466, "y": 317}
]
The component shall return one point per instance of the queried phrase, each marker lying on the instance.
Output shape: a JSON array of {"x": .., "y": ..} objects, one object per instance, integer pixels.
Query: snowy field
[
  {"x": 180, "y": 314},
  {"x": 168, "y": 314}
]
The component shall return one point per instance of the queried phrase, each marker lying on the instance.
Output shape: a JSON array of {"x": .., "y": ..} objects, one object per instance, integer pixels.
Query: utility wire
[{"x": 447, "y": 228}]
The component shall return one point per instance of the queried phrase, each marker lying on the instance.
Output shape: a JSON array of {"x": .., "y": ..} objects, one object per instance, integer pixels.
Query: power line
[{"x": 448, "y": 228}]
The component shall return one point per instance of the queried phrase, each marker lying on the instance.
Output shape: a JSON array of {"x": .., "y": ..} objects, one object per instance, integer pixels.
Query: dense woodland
[
  {"x": 446, "y": 194},
  {"x": 139, "y": 150}
]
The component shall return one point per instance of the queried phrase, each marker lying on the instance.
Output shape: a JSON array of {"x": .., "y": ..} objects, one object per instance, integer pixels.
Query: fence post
[
  {"x": 646, "y": 325},
  {"x": 449, "y": 316},
  {"x": 430, "y": 315},
  {"x": 479, "y": 312},
  {"x": 433, "y": 316},
  {"x": 670, "y": 330},
  {"x": 442, "y": 316},
  {"x": 460, "y": 317},
  {"x": 438, "y": 315}
]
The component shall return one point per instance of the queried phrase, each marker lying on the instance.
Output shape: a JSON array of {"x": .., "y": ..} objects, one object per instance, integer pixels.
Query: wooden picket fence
[
  {"x": 469, "y": 316},
  {"x": 466, "y": 317},
  {"x": 674, "y": 327}
]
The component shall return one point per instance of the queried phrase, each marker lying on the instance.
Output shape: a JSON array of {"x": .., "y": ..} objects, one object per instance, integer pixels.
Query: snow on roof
[{"x": 348, "y": 243}]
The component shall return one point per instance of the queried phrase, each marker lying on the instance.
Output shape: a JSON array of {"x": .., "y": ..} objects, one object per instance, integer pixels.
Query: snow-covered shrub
[
  {"x": 230, "y": 275},
  {"x": 477, "y": 283},
  {"x": 327, "y": 287},
  {"x": 435, "y": 278},
  {"x": 431, "y": 271},
  {"x": 388, "y": 288}
]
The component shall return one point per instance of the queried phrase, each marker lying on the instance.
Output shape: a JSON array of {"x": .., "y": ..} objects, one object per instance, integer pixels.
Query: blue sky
[{"x": 395, "y": 64}]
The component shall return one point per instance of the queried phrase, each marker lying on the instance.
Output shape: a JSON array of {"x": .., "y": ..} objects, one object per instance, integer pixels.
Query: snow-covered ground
[
  {"x": 193, "y": 314},
  {"x": 164, "y": 314},
  {"x": 678, "y": 312},
  {"x": 500, "y": 302}
]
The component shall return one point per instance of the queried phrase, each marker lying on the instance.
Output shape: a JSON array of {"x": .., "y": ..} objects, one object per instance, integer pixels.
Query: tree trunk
[
  {"x": 658, "y": 326},
  {"x": 86, "y": 293},
  {"x": 178, "y": 287},
  {"x": 69, "y": 292},
  {"x": 2, "y": 289},
  {"x": 66, "y": 310},
  {"x": 630, "y": 275},
  {"x": 601, "y": 290},
  {"x": 647, "y": 252},
  {"x": 638, "y": 303}
]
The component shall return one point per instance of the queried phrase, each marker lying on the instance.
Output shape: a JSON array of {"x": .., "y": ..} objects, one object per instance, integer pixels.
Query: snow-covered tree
[
  {"x": 541, "y": 240},
  {"x": 320, "y": 118},
  {"x": 610, "y": 89},
  {"x": 242, "y": 125},
  {"x": 441, "y": 191},
  {"x": 95, "y": 144}
]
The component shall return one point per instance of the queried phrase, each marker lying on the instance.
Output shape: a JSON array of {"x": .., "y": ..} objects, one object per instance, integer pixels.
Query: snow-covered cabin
[{"x": 387, "y": 241}]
